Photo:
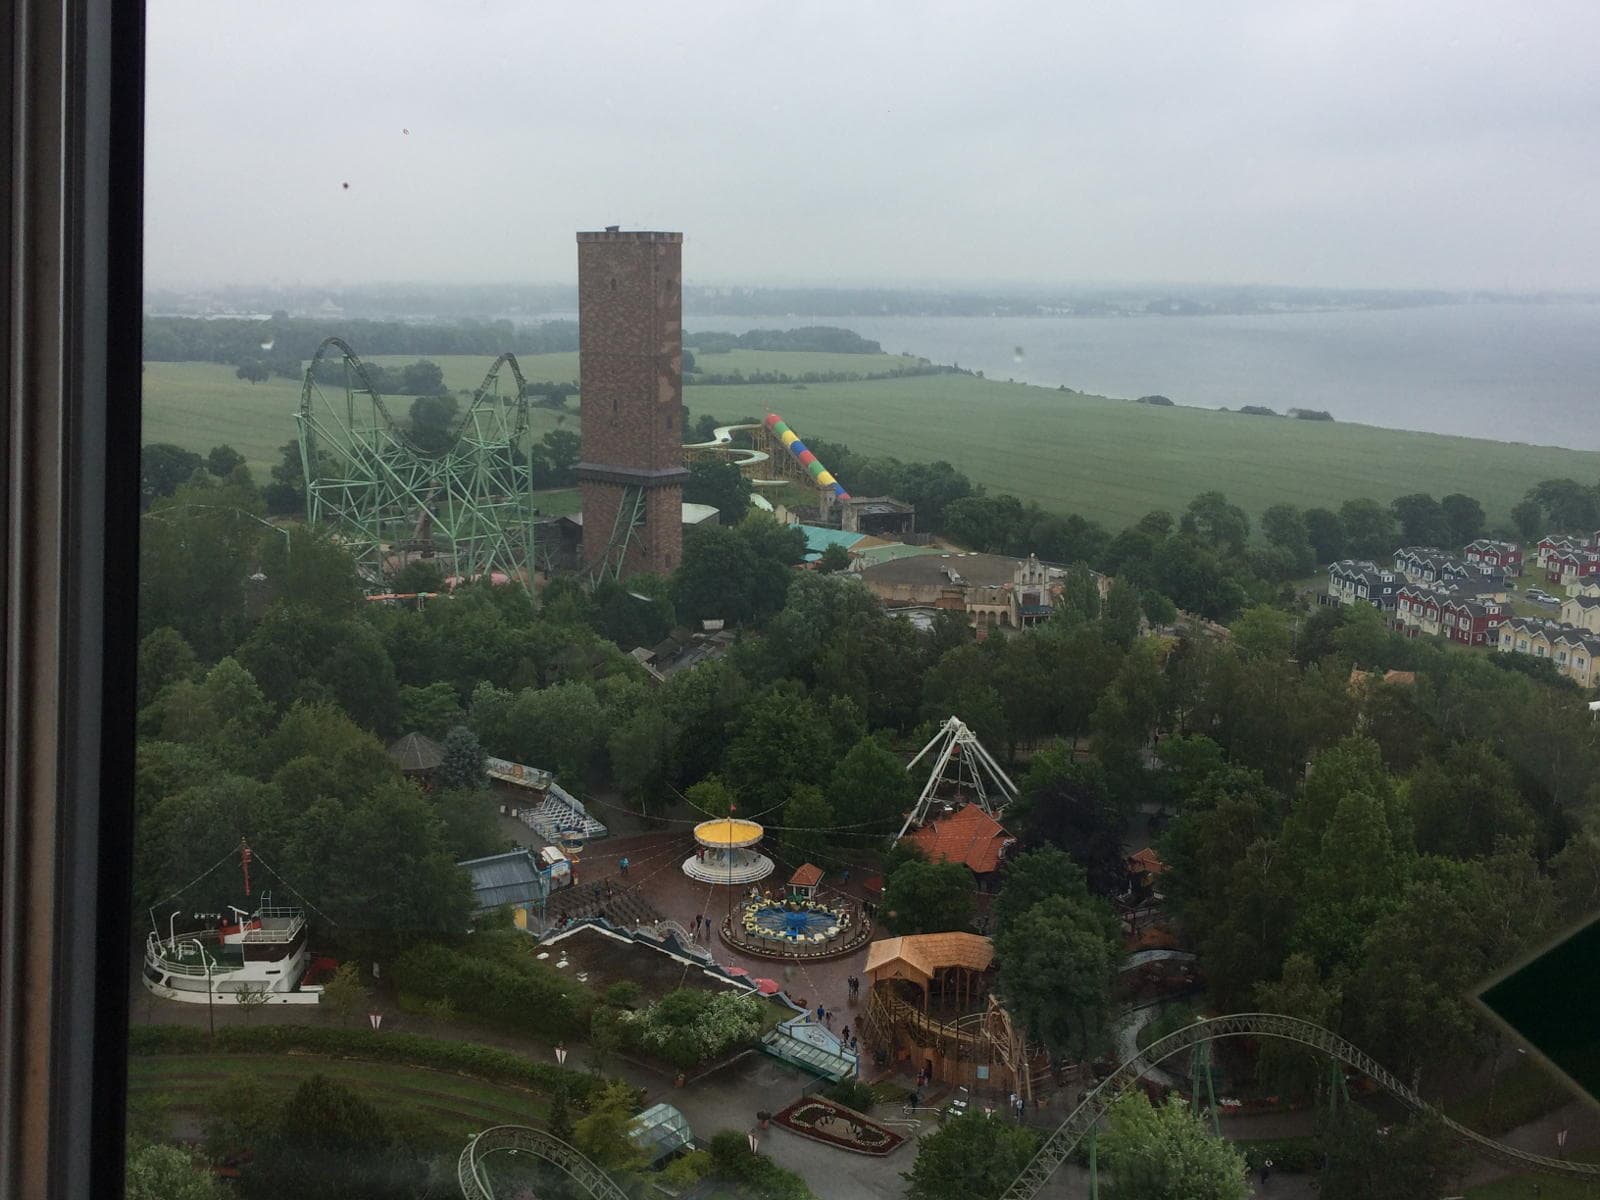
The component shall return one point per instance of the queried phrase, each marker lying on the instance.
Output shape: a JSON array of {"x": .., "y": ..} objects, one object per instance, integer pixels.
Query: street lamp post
[{"x": 205, "y": 961}]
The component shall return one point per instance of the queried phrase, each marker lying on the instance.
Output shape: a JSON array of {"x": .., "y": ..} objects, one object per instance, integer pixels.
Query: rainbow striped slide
[{"x": 808, "y": 460}]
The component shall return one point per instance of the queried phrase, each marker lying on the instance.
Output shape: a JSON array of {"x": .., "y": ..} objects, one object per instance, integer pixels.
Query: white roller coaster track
[{"x": 1058, "y": 1147}]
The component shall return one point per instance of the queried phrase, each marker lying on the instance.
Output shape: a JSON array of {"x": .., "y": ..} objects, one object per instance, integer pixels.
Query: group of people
[{"x": 853, "y": 985}]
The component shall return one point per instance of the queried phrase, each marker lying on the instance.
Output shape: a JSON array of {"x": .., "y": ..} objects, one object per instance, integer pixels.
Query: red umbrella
[
  {"x": 736, "y": 971},
  {"x": 768, "y": 987}
]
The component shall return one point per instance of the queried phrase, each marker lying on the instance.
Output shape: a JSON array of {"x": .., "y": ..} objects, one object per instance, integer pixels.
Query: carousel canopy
[{"x": 728, "y": 833}]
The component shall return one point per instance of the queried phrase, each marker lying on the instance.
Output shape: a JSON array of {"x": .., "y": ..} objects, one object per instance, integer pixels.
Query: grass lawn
[
  {"x": 1518, "y": 1095},
  {"x": 434, "y": 1102},
  {"x": 1113, "y": 460},
  {"x": 201, "y": 405},
  {"x": 1551, "y": 1187},
  {"x": 558, "y": 502},
  {"x": 1110, "y": 460}
]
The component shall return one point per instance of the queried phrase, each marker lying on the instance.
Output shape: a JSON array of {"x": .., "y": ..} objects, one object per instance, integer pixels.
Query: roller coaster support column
[
  {"x": 1094, "y": 1167},
  {"x": 1200, "y": 1065}
]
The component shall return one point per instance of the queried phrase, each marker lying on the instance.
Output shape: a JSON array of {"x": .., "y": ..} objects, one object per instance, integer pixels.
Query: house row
[
  {"x": 1429, "y": 564},
  {"x": 1362, "y": 581},
  {"x": 1501, "y": 558},
  {"x": 1572, "y": 648},
  {"x": 1456, "y": 613}
]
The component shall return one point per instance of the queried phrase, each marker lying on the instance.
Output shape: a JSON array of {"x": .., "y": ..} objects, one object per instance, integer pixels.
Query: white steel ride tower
[{"x": 963, "y": 765}]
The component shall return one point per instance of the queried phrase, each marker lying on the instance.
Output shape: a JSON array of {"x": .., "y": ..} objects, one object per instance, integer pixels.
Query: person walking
[
  {"x": 624, "y": 865},
  {"x": 820, "y": 1012},
  {"x": 845, "y": 1033}
]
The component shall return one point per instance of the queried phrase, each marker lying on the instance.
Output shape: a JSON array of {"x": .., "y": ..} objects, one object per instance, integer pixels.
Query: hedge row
[
  {"x": 410, "y": 1049},
  {"x": 525, "y": 995}
]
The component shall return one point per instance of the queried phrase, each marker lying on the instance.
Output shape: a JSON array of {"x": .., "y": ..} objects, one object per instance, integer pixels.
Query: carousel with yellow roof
[{"x": 726, "y": 852}]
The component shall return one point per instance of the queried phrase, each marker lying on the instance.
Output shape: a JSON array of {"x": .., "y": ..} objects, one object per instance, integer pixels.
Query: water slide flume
[{"x": 749, "y": 459}]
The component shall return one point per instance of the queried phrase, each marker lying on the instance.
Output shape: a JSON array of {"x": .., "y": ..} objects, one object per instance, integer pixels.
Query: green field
[
  {"x": 201, "y": 405},
  {"x": 1113, "y": 460},
  {"x": 1107, "y": 459},
  {"x": 450, "y": 1106}
]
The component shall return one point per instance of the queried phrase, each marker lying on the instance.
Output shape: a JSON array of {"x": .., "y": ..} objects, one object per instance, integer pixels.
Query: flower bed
[{"x": 824, "y": 1121}]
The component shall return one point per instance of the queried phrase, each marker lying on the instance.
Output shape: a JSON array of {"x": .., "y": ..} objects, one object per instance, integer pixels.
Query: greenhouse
[{"x": 661, "y": 1131}]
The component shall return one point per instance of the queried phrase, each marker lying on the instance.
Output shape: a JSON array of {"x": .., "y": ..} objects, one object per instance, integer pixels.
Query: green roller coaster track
[
  {"x": 1079, "y": 1124},
  {"x": 470, "y": 507}
]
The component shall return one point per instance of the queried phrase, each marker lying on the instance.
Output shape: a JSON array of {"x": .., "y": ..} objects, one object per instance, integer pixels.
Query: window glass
[{"x": 989, "y": 671}]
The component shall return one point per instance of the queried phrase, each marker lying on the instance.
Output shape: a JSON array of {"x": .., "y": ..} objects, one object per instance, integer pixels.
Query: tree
[
  {"x": 433, "y": 710},
  {"x": 222, "y": 460},
  {"x": 421, "y": 378},
  {"x": 344, "y": 995},
  {"x": 721, "y": 485},
  {"x": 807, "y": 817},
  {"x": 1215, "y": 523},
  {"x": 1121, "y": 614},
  {"x": 1567, "y": 504},
  {"x": 1464, "y": 804},
  {"x": 643, "y": 752},
  {"x": 156, "y": 1172},
  {"x": 163, "y": 468},
  {"x": 298, "y": 653},
  {"x": 870, "y": 789},
  {"x": 1285, "y": 1067},
  {"x": 834, "y": 558},
  {"x": 328, "y": 1141},
  {"x": 1066, "y": 804},
  {"x": 603, "y": 1132},
  {"x": 1401, "y": 1162},
  {"x": 1369, "y": 529},
  {"x": 308, "y": 566},
  {"x": 1528, "y": 517},
  {"x": 973, "y": 1157},
  {"x": 1167, "y": 1153},
  {"x": 164, "y": 658},
  {"x": 461, "y": 767},
  {"x": 1422, "y": 520},
  {"x": 1464, "y": 517},
  {"x": 1325, "y": 532},
  {"x": 1033, "y": 877},
  {"x": 925, "y": 897},
  {"x": 1057, "y": 965},
  {"x": 287, "y": 492},
  {"x": 254, "y": 370},
  {"x": 1285, "y": 527},
  {"x": 1263, "y": 632},
  {"x": 716, "y": 578},
  {"x": 418, "y": 575},
  {"x": 432, "y": 421},
  {"x": 555, "y": 459}
]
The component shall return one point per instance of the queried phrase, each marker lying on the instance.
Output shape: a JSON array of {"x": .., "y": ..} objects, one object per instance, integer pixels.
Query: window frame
[{"x": 74, "y": 107}]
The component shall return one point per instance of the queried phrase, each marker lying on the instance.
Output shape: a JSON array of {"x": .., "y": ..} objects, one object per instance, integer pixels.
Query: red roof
[
  {"x": 1147, "y": 860},
  {"x": 969, "y": 836},
  {"x": 806, "y": 875}
]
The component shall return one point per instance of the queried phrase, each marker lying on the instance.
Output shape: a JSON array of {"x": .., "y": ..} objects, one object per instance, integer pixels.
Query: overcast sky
[{"x": 1406, "y": 143}]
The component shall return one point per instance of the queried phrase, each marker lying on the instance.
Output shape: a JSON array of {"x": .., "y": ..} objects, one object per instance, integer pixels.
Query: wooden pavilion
[{"x": 930, "y": 1008}]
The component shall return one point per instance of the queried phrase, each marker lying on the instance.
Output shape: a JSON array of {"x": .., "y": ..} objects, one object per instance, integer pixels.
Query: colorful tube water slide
[{"x": 808, "y": 460}]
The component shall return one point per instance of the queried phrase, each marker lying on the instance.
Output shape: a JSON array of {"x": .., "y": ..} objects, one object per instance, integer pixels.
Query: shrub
[
  {"x": 686, "y": 1170},
  {"x": 852, "y": 1094},
  {"x": 466, "y": 1058},
  {"x": 733, "y": 1160},
  {"x": 688, "y": 1027},
  {"x": 508, "y": 989},
  {"x": 625, "y": 994}
]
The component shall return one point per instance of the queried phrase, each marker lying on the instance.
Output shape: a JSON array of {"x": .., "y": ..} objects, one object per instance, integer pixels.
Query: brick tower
[{"x": 630, "y": 341}]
